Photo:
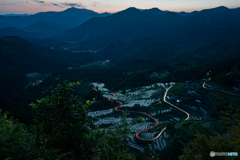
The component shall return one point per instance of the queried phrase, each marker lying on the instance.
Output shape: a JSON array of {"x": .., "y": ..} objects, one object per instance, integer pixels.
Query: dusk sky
[{"x": 34, "y": 6}]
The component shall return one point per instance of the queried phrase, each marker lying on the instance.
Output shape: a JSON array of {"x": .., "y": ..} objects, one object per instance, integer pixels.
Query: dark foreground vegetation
[{"x": 61, "y": 130}]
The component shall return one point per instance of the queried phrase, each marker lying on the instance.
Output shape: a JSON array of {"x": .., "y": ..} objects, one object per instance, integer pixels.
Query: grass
[
  {"x": 224, "y": 88},
  {"x": 203, "y": 130},
  {"x": 158, "y": 76},
  {"x": 186, "y": 129},
  {"x": 159, "y": 127},
  {"x": 233, "y": 100},
  {"x": 178, "y": 90}
]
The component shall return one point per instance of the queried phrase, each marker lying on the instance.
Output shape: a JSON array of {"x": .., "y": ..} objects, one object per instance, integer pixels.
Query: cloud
[
  {"x": 6, "y": 2},
  {"x": 95, "y": 4},
  {"x": 72, "y": 4},
  {"x": 46, "y": 3}
]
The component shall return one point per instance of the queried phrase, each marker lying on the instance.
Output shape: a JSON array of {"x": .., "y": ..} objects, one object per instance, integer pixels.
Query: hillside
[
  {"x": 27, "y": 57},
  {"x": 11, "y": 31},
  {"x": 139, "y": 49},
  {"x": 68, "y": 18},
  {"x": 45, "y": 28},
  {"x": 131, "y": 24},
  {"x": 18, "y": 57}
]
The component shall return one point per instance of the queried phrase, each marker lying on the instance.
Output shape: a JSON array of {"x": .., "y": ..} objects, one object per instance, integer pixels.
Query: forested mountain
[
  {"x": 19, "y": 57},
  {"x": 46, "y": 24},
  {"x": 217, "y": 50},
  {"x": 69, "y": 18},
  {"x": 168, "y": 53},
  {"x": 11, "y": 31},
  {"x": 44, "y": 27},
  {"x": 207, "y": 25},
  {"x": 139, "y": 49},
  {"x": 26, "y": 57}
]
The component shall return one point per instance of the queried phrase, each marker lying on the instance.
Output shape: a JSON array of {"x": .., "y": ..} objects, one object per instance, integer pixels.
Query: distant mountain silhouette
[
  {"x": 11, "y": 31},
  {"x": 153, "y": 11},
  {"x": 69, "y": 18},
  {"x": 192, "y": 30},
  {"x": 45, "y": 28}
]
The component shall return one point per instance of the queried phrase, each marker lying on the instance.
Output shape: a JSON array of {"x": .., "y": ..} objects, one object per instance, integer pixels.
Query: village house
[
  {"x": 203, "y": 111},
  {"x": 236, "y": 89},
  {"x": 198, "y": 101}
]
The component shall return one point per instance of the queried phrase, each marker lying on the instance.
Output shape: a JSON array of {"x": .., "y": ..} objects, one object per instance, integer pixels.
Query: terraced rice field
[
  {"x": 159, "y": 144},
  {"x": 141, "y": 96}
]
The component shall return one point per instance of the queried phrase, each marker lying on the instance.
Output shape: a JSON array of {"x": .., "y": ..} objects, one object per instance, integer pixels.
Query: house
[
  {"x": 192, "y": 92},
  {"x": 193, "y": 108},
  {"x": 38, "y": 81},
  {"x": 178, "y": 100},
  {"x": 203, "y": 110},
  {"x": 236, "y": 89},
  {"x": 198, "y": 101},
  {"x": 166, "y": 72},
  {"x": 175, "y": 99}
]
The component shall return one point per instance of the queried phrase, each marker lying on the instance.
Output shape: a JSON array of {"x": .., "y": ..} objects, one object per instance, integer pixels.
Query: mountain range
[
  {"x": 45, "y": 24},
  {"x": 192, "y": 30},
  {"x": 86, "y": 29},
  {"x": 69, "y": 18},
  {"x": 168, "y": 53}
]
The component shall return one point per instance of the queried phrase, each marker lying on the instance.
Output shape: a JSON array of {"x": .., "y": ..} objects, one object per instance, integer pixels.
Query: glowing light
[{"x": 95, "y": 89}]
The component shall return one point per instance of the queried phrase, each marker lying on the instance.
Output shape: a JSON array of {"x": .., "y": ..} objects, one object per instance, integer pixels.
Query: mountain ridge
[{"x": 131, "y": 24}]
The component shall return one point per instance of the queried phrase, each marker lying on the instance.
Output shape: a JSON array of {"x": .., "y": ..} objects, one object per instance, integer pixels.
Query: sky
[{"x": 111, "y": 6}]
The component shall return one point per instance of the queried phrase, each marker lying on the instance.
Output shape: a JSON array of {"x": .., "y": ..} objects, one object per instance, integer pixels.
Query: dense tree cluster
[{"x": 62, "y": 130}]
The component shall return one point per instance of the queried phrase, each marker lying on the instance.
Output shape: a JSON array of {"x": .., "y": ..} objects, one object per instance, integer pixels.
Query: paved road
[
  {"x": 220, "y": 90},
  {"x": 164, "y": 99},
  {"x": 137, "y": 134},
  {"x": 156, "y": 121}
]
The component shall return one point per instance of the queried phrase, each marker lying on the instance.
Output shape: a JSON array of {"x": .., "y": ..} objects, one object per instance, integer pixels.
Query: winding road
[
  {"x": 156, "y": 121},
  {"x": 220, "y": 90}
]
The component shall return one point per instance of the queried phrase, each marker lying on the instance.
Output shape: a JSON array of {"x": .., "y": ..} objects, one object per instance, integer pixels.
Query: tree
[
  {"x": 202, "y": 145},
  {"x": 61, "y": 130},
  {"x": 17, "y": 143},
  {"x": 61, "y": 122},
  {"x": 112, "y": 143}
]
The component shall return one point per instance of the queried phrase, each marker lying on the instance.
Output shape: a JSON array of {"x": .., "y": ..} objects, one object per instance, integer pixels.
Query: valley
[{"x": 140, "y": 84}]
